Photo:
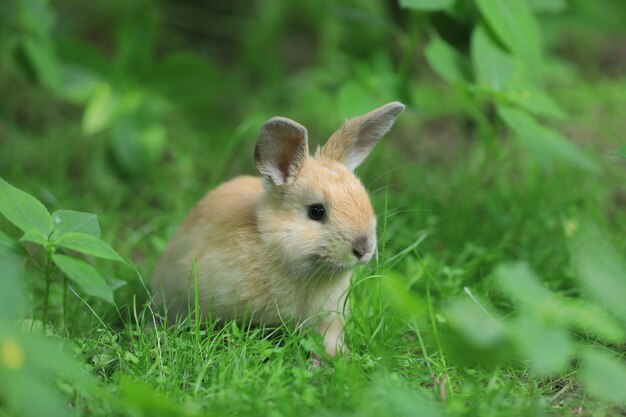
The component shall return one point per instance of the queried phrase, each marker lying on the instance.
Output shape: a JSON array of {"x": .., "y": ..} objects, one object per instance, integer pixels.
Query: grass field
[{"x": 438, "y": 325}]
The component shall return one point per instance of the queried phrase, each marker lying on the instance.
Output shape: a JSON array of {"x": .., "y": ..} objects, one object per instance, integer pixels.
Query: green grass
[{"x": 450, "y": 209}]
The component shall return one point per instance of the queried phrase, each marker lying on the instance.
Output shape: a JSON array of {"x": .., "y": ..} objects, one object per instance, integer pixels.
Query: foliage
[
  {"x": 64, "y": 230},
  {"x": 508, "y": 77},
  {"x": 498, "y": 284}
]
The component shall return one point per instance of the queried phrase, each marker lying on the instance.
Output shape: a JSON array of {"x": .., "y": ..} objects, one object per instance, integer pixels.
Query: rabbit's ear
[
  {"x": 281, "y": 150},
  {"x": 353, "y": 141}
]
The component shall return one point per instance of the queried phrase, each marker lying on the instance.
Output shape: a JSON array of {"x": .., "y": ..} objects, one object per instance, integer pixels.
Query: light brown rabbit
[{"x": 280, "y": 248}]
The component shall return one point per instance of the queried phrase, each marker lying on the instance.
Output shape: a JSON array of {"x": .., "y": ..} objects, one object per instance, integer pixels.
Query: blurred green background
[{"x": 501, "y": 193}]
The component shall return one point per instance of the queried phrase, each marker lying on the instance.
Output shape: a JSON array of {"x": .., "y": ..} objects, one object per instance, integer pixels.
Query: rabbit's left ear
[
  {"x": 353, "y": 141},
  {"x": 281, "y": 150}
]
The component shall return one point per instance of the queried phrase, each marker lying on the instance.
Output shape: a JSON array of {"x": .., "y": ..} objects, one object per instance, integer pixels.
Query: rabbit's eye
[{"x": 317, "y": 212}]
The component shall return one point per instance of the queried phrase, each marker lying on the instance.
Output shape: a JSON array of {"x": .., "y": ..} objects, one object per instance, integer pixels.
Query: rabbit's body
[
  {"x": 281, "y": 248},
  {"x": 237, "y": 274}
]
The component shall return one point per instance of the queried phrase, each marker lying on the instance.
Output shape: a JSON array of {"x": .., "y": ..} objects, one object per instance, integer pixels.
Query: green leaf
[
  {"x": 621, "y": 152},
  {"x": 100, "y": 110},
  {"x": 69, "y": 221},
  {"x": 603, "y": 375},
  {"x": 515, "y": 25},
  {"x": 548, "y": 348},
  {"x": 28, "y": 385},
  {"x": 23, "y": 210},
  {"x": 427, "y": 5},
  {"x": 394, "y": 397},
  {"x": 407, "y": 303},
  {"x": 78, "y": 83},
  {"x": 533, "y": 100},
  {"x": 493, "y": 66},
  {"x": 12, "y": 299},
  {"x": 41, "y": 56},
  {"x": 85, "y": 276},
  {"x": 589, "y": 318},
  {"x": 34, "y": 236},
  {"x": 89, "y": 245},
  {"x": 135, "y": 41},
  {"x": 54, "y": 357},
  {"x": 475, "y": 324},
  {"x": 35, "y": 16},
  {"x": 138, "y": 143},
  {"x": 447, "y": 62},
  {"x": 599, "y": 268},
  {"x": 548, "y": 6},
  {"x": 545, "y": 143},
  {"x": 9, "y": 246},
  {"x": 151, "y": 403},
  {"x": 520, "y": 284}
]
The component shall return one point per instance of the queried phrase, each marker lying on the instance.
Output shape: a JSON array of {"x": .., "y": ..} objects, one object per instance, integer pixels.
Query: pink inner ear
[
  {"x": 290, "y": 156},
  {"x": 283, "y": 167}
]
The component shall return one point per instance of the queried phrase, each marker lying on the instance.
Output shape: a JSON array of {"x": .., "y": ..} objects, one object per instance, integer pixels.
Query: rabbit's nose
[{"x": 361, "y": 248}]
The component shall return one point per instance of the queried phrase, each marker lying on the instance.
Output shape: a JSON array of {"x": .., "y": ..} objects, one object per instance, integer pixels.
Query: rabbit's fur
[{"x": 257, "y": 250}]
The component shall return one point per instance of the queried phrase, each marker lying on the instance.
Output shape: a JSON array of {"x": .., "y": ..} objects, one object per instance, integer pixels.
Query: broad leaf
[
  {"x": 520, "y": 284},
  {"x": 138, "y": 141},
  {"x": 548, "y": 348},
  {"x": 9, "y": 246},
  {"x": 475, "y": 323},
  {"x": 12, "y": 299},
  {"x": 69, "y": 221},
  {"x": 533, "y": 100},
  {"x": 515, "y": 25},
  {"x": 493, "y": 66},
  {"x": 34, "y": 236},
  {"x": 100, "y": 111},
  {"x": 543, "y": 142},
  {"x": 589, "y": 318},
  {"x": 408, "y": 303},
  {"x": 89, "y": 245},
  {"x": 447, "y": 62},
  {"x": 34, "y": 17},
  {"x": 54, "y": 358},
  {"x": 600, "y": 270},
  {"x": 77, "y": 83},
  {"x": 604, "y": 376},
  {"x": 26, "y": 386},
  {"x": 427, "y": 5},
  {"x": 548, "y": 6},
  {"x": 43, "y": 59},
  {"x": 23, "y": 210},
  {"x": 85, "y": 276}
]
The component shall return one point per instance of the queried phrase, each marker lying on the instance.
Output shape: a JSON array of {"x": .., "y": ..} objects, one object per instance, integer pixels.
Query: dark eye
[{"x": 316, "y": 212}]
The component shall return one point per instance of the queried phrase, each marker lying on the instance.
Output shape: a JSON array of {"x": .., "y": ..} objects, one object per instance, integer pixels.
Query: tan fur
[{"x": 256, "y": 251}]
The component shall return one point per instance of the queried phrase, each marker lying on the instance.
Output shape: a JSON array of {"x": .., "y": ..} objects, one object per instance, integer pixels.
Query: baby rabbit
[{"x": 280, "y": 248}]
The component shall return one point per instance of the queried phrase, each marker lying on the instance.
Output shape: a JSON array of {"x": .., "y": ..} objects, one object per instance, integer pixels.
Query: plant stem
[
  {"x": 46, "y": 294},
  {"x": 64, "y": 312}
]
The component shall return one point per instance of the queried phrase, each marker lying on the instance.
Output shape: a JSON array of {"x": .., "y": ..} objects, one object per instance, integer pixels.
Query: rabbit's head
[{"x": 315, "y": 214}]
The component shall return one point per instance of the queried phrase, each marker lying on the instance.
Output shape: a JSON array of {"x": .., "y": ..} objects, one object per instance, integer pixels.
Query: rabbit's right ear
[{"x": 281, "y": 150}]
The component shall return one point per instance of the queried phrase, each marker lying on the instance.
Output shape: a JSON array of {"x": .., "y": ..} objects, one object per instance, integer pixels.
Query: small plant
[
  {"x": 28, "y": 363},
  {"x": 503, "y": 67},
  {"x": 60, "y": 235},
  {"x": 549, "y": 333}
]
